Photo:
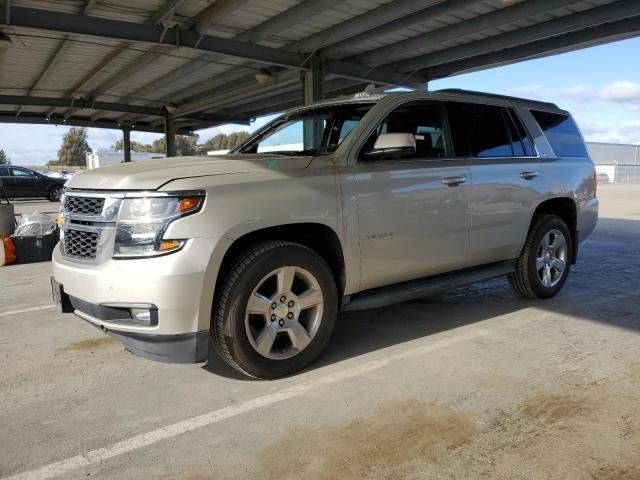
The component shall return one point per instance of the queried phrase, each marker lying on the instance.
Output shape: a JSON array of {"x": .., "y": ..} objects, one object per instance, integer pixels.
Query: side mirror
[{"x": 393, "y": 145}]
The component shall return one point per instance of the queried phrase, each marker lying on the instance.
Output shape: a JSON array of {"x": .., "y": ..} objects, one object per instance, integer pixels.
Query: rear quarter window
[{"x": 562, "y": 134}]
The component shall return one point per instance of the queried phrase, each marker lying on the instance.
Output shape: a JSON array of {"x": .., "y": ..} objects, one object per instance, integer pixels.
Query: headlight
[{"x": 142, "y": 222}]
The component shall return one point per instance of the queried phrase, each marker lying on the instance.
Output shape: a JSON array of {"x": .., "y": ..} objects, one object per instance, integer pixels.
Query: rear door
[
  {"x": 412, "y": 211},
  {"x": 504, "y": 176}
]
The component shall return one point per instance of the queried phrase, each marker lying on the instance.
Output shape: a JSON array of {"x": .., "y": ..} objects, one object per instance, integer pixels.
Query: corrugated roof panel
[{"x": 255, "y": 12}]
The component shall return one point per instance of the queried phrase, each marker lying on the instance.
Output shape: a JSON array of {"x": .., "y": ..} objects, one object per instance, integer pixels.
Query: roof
[{"x": 114, "y": 63}]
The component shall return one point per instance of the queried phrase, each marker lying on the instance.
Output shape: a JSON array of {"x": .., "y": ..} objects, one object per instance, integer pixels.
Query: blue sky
[{"x": 599, "y": 85}]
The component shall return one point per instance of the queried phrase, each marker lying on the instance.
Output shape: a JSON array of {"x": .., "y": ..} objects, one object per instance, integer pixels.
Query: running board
[{"x": 405, "y": 291}]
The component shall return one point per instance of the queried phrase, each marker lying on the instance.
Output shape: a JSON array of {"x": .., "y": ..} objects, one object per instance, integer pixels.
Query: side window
[
  {"x": 425, "y": 120},
  {"x": 478, "y": 130},
  {"x": 4, "y": 172},
  {"x": 346, "y": 128},
  {"x": 19, "y": 172},
  {"x": 562, "y": 133},
  {"x": 289, "y": 138}
]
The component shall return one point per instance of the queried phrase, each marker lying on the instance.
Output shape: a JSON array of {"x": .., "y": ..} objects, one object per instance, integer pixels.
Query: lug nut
[
  {"x": 281, "y": 322},
  {"x": 289, "y": 315},
  {"x": 274, "y": 306},
  {"x": 291, "y": 303},
  {"x": 283, "y": 299},
  {"x": 273, "y": 318}
]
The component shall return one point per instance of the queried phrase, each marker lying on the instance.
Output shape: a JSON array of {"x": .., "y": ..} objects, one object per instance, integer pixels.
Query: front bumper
[{"x": 178, "y": 286}]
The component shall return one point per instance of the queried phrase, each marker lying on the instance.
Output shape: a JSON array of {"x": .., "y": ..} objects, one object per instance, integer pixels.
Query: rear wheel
[
  {"x": 276, "y": 310},
  {"x": 55, "y": 194},
  {"x": 544, "y": 265}
]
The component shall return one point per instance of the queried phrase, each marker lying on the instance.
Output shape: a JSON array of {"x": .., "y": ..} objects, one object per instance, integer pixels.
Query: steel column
[
  {"x": 126, "y": 136},
  {"x": 170, "y": 134}
]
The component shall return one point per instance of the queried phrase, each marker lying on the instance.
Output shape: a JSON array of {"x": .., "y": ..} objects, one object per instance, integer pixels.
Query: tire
[
  {"x": 55, "y": 193},
  {"x": 243, "y": 339},
  {"x": 530, "y": 279}
]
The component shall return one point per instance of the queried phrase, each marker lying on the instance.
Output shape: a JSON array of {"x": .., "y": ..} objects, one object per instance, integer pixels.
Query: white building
[{"x": 619, "y": 162}]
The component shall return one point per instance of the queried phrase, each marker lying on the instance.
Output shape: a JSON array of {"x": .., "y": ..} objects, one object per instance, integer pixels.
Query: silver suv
[{"x": 347, "y": 204}]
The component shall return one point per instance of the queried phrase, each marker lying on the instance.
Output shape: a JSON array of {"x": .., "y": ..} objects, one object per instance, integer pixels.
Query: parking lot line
[
  {"x": 25, "y": 310},
  {"x": 139, "y": 441}
]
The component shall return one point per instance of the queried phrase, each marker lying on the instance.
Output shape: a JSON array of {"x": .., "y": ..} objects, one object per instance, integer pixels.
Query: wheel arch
[
  {"x": 317, "y": 236},
  {"x": 567, "y": 210}
]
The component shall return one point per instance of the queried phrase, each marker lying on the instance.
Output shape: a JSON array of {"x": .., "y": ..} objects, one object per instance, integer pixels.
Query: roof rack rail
[{"x": 495, "y": 95}]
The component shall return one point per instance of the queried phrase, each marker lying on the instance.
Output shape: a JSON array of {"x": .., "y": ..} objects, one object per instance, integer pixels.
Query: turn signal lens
[
  {"x": 187, "y": 204},
  {"x": 167, "y": 245}
]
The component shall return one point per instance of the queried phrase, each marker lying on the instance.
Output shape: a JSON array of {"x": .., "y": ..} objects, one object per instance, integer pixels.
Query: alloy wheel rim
[
  {"x": 551, "y": 260},
  {"x": 284, "y": 312}
]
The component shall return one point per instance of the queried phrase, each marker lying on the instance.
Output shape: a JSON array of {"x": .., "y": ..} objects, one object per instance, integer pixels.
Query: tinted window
[
  {"x": 562, "y": 133},
  {"x": 478, "y": 130},
  {"x": 19, "y": 172},
  {"x": 4, "y": 172},
  {"x": 425, "y": 120}
]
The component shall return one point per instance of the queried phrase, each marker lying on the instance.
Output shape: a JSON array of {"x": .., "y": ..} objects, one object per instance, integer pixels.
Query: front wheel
[
  {"x": 276, "y": 310},
  {"x": 55, "y": 194},
  {"x": 544, "y": 265}
]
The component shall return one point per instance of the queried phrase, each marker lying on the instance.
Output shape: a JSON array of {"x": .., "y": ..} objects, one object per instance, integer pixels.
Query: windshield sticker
[{"x": 272, "y": 164}]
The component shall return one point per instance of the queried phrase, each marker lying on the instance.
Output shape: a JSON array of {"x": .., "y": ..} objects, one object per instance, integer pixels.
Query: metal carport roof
[{"x": 123, "y": 63}]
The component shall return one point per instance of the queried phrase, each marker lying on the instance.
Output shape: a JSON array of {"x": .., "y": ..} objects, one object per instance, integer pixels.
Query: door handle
[
  {"x": 454, "y": 181},
  {"x": 528, "y": 175}
]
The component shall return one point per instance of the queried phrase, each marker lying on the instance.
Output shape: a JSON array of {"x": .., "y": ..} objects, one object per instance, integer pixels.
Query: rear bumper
[{"x": 588, "y": 219}]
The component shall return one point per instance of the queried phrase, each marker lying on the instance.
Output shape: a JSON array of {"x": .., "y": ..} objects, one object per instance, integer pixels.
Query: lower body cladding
[{"x": 159, "y": 308}]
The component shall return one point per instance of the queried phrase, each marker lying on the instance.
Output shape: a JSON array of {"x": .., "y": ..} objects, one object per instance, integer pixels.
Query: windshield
[{"x": 308, "y": 132}]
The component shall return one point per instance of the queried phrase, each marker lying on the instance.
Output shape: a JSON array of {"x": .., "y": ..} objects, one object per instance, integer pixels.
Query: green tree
[
  {"x": 135, "y": 146},
  {"x": 74, "y": 147},
  {"x": 4, "y": 160}
]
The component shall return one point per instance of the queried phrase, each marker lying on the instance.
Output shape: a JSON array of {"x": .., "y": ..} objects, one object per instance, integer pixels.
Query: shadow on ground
[{"x": 603, "y": 287}]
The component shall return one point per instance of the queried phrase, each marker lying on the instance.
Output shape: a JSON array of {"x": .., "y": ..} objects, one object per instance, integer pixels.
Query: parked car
[
  {"x": 23, "y": 182},
  {"x": 368, "y": 201}
]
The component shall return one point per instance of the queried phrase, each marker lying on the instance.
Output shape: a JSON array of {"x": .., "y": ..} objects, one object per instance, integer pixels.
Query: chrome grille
[
  {"x": 80, "y": 244},
  {"x": 84, "y": 205}
]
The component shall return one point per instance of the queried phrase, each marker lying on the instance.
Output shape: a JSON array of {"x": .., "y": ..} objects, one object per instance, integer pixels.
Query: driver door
[{"x": 412, "y": 210}]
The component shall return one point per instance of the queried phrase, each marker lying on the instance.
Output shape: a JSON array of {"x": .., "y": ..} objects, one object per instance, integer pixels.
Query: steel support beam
[
  {"x": 121, "y": 75},
  {"x": 93, "y": 72},
  {"x": 169, "y": 134},
  {"x": 292, "y": 16},
  {"x": 559, "y": 44},
  {"x": 489, "y": 21},
  {"x": 587, "y": 19},
  {"x": 166, "y": 12},
  {"x": 366, "y": 22},
  {"x": 126, "y": 143},
  {"x": 59, "y": 52},
  {"x": 424, "y": 15},
  {"x": 135, "y": 32},
  {"x": 215, "y": 11},
  {"x": 38, "y": 119}
]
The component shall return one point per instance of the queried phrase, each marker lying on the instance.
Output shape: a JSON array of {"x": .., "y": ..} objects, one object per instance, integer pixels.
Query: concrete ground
[{"x": 472, "y": 384}]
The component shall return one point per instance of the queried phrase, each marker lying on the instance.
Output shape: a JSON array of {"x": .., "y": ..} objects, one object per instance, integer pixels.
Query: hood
[{"x": 152, "y": 174}]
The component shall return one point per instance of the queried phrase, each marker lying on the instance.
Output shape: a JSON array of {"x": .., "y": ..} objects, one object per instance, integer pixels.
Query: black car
[{"x": 23, "y": 182}]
